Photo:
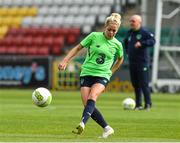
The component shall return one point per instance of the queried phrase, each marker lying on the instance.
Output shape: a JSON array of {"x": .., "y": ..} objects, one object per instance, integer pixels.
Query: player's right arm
[{"x": 62, "y": 65}]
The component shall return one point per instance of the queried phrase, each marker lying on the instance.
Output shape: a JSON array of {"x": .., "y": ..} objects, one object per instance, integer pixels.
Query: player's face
[{"x": 111, "y": 30}]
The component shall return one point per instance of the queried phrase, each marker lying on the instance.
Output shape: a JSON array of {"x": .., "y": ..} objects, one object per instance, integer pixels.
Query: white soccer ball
[
  {"x": 128, "y": 104},
  {"x": 41, "y": 97}
]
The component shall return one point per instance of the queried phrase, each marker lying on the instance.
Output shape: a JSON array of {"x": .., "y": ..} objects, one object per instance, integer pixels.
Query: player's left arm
[{"x": 117, "y": 64}]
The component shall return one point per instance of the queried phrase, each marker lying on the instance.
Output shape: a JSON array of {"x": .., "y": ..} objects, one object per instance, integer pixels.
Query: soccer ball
[
  {"x": 128, "y": 104},
  {"x": 41, "y": 97}
]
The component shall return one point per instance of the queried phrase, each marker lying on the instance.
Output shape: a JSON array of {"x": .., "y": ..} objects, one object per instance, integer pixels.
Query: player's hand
[
  {"x": 62, "y": 65},
  {"x": 137, "y": 45}
]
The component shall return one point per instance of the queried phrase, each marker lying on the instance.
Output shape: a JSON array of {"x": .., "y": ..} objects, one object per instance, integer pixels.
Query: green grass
[{"x": 20, "y": 120}]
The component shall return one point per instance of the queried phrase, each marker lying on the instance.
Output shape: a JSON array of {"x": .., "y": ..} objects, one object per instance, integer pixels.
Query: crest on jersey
[
  {"x": 97, "y": 45},
  {"x": 138, "y": 36}
]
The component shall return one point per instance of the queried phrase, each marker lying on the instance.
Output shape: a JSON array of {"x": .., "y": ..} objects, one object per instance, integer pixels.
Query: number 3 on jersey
[{"x": 101, "y": 58}]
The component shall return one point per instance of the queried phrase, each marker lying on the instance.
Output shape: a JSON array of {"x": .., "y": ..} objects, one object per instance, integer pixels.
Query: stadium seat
[
  {"x": 14, "y": 31},
  {"x": 32, "y": 50},
  {"x": 58, "y": 2},
  {"x": 105, "y": 9},
  {"x": 27, "y": 41},
  {"x": 38, "y": 2},
  {"x": 43, "y": 11},
  {"x": 6, "y": 21},
  {"x": 47, "y": 21},
  {"x": 94, "y": 10},
  {"x": 74, "y": 31},
  {"x": 48, "y": 41},
  {"x": 13, "y": 11},
  {"x": 22, "y": 50},
  {"x": 3, "y": 50},
  {"x": 98, "y": 2},
  {"x": 62, "y": 31},
  {"x": 27, "y": 21},
  {"x": 58, "y": 21},
  {"x": 23, "y": 31},
  {"x": 47, "y": 2},
  {"x": 101, "y": 18},
  {"x": 37, "y": 21},
  {"x": 78, "y": 2},
  {"x": 90, "y": 20},
  {"x": 89, "y": 2},
  {"x": 23, "y": 11},
  {"x": 68, "y": 2},
  {"x": 16, "y": 21},
  {"x": 3, "y": 11},
  {"x": 84, "y": 10},
  {"x": 3, "y": 31},
  {"x": 33, "y": 11},
  {"x": 1, "y": 2},
  {"x": 11, "y": 50},
  {"x": 7, "y": 3},
  {"x": 28, "y": 3},
  {"x": 64, "y": 10},
  {"x": 71, "y": 39},
  {"x": 108, "y": 2},
  {"x": 73, "y": 10},
  {"x": 58, "y": 41},
  {"x": 19, "y": 41},
  {"x": 56, "y": 50},
  {"x": 7, "y": 41},
  {"x": 86, "y": 29},
  {"x": 17, "y": 3},
  {"x": 43, "y": 50},
  {"x": 69, "y": 20},
  {"x": 38, "y": 41},
  {"x": 79, "y": 21}
]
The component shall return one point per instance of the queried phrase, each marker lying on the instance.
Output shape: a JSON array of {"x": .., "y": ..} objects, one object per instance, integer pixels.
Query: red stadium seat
[
  {"x": 44, "y": 50},
  {"x": 7, "y": 41},
  {"x": 27, "y": 41},
  {"x": 38, "y": 41},
  {"x": 58, "y": 41},
  {"x": 32, "y": 50},
  {"x": 13, "y": 32},
  {"x": 71, "y": 39},
  {"x": 75, "y": 31},
  {"x": 12, "y": 50},
  {"x": 18, "y": 41},
  {"x": 73, "y": 35},
  {"x": 1, "y": 42},
  {"x": 3, "y": 50},
  {"x": 48, "y": 31},
  {"x": 23, "y": 31},
  {"x": 62, "y": 31},
  {"x": 56, "y": 50},
  {"x": 48, "y": 41},
  {"x": 22, "y": 50}
]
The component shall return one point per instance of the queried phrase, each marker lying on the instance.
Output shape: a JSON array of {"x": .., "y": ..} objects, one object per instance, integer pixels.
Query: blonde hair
[{"x": 115, "y": 18}]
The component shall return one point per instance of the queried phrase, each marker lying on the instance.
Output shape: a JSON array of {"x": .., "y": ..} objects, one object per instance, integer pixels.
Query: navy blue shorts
[{"x": 88, "y": 81}]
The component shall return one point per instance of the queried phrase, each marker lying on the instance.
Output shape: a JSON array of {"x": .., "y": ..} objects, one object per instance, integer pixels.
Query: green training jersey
[{"x": 101, "y": 55}]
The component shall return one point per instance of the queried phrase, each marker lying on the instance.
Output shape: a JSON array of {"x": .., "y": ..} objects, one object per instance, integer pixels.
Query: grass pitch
[{"x": 22, "y": 121}]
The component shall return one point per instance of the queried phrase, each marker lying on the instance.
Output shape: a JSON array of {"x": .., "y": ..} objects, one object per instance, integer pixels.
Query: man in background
[{"x": 136, "y": 43}]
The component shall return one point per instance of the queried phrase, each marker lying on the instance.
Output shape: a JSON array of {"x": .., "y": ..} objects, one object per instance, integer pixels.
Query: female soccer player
[{"x": 104, "y": 57}]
